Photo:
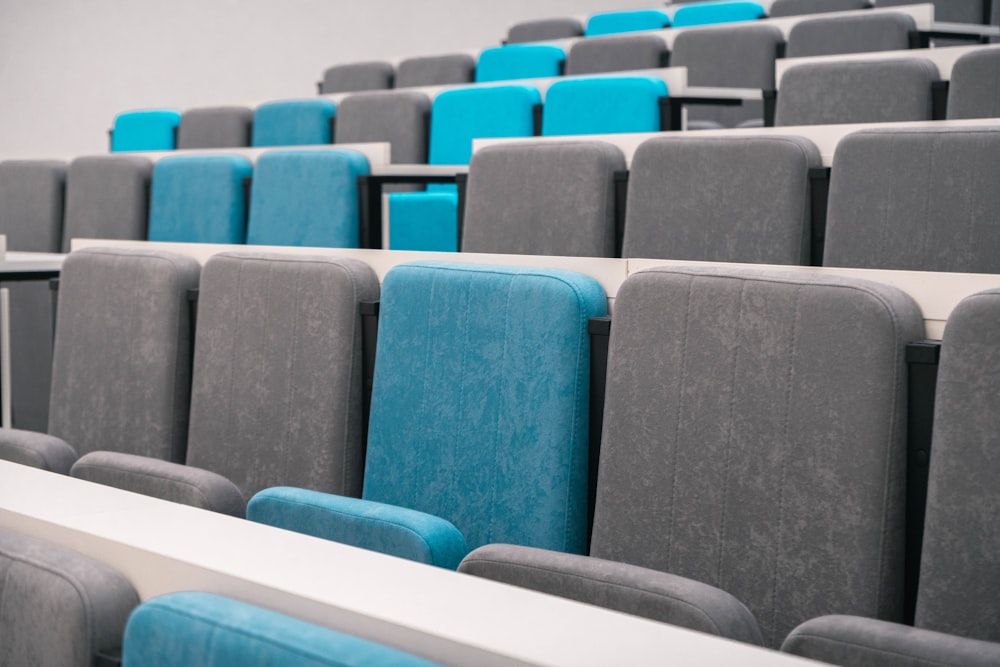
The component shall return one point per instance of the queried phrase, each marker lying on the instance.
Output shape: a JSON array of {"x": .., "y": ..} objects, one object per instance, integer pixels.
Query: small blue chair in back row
[
  {"x": 519, "y": 61},
  {"x": 706, "y": 13},
  {"x": 145, "y": 130},
  {"x": 293, "y": 123},
  {"x": 609, "y": 23}
]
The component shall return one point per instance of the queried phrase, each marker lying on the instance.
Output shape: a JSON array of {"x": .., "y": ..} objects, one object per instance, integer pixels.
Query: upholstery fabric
[
  {"x": 615, "y": 54},
  {"x": 293, "y": 123},
  {"x": 399, "y": 117},
  {"x": 199, "y": 199},
  {"x": 32, "y": 193},
  {"x": 923, "y": 199},
  {"x": 720, "y": 199},
  {"x": 609, "y": 23},
  {"x": 194, "y": 628},
  {"x": 388, "y": 529},
  {"x": 519, "y": 61},
  {"x": 351, "y": 77},
  {"x": 543, "y": 199},
  {"x": 781, "y": 8},
  {"x": 440, "y": 70},
  {"x": 975, "y": 85},
  {"x": 705, "y": 13},
  {"x": 850, "y": 34},
  {"x": 876, "y": 91},
  {"x": 37, "y": 450},
  {"x": 122, "y": 358},
  {"x": 603, "y": 105},
  {"x": 107, "y": 197},
  {"x": 754, "y": 438},
  {"x": 57, "y": 607},
  {"x": 542, "y": 29},
  {"x": 145, "y": 130},
  {"x": 215, "y": 127},
  {"x": 306, "y": 198},
  {"x": 951, "y": 11},
  {"x": 626, "y": 588},
  {"x": 423, "y": 221}
]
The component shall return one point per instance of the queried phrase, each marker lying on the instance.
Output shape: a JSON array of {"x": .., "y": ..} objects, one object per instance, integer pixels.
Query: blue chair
[
  {"x": 479, "y": 427},
  {"x": 306, "y": 198},
  {"x": 706, "y": 13},
  {"x": 199, "y": 199},
  {"x": 293, "y": 123},
  {"x": 519, "y": 61},
  {"x": 609, "y": 23},
  {"x": 145, "y": 130},
  {"x": 603, "y": 105}
]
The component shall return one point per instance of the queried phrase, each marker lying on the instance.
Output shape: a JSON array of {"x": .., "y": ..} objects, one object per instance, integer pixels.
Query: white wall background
[{"x": 68, "y": 66}]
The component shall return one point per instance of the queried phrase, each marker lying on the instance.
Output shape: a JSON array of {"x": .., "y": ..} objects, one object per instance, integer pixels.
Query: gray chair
[
  {"x": 543, "y": 199},
  {"x": 742, "y": 485},
  {"x": 435, "y": 70},
  {"x": 957, "y": 606},
  {"x": 398, "y": 117},
  {"x": 923, "y": 199},
  {"x": 950, "y": 11},
  {"x": 850, "y": 34},
  {"x": 781, "y": 8},
  {"x": 374, "y": 75},
  {"x": 544, "y": 29},
  {"x": 107, "y": 197},
  {"x": 61, "y": 608},
  {"x": 975, "y": 85},
  {"x": 215, "y": 127},
  {"x": 615, "y": 54},
  {"x": 719, "y": 199},
  {"x": 276, "y": 397},
  {"x": 869, "y": 91}
]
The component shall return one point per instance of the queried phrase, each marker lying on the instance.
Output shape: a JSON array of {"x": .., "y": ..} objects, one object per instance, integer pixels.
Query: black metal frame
[
  {"x": 621, "y": 197},
  {"x": 599, "y": 329},
  {"x": 672, "y": 108},
  {"x": 819, "y": 196}
]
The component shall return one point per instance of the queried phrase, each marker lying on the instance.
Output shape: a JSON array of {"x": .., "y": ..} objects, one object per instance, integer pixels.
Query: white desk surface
[{"x": 28, "y": 262}]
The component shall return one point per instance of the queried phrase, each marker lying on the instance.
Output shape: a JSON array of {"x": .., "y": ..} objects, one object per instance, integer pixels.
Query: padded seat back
[
  {"x": 215, "y": 127},
  {"x": 603, "y": 105},
  {"x": 975, "y": 85},
  {"x": 145, "y": 130},
  {"x": 199, "y": 199},
  {"x": 399, "y": 117},
  {"x": 440, "y": 70},
  {"x": 615, "y": 54},
  {"x": 608, "y": 23},
  {"x": 542, "y": 29},
  {"x": 107, "y": 197},
  {"x": 32, "y": 194},
  {"x": 293, "y": 123},
  {"x": 950, "y": 11},
  {"x": 850, "y": 34},
  {"x": 781, "y": 8},
  {"x": 374, "y": 75},
  {"x": 460, "y": 115},
  {"x": 519, "y": 61},
  {"x": 705, "y": 13}
]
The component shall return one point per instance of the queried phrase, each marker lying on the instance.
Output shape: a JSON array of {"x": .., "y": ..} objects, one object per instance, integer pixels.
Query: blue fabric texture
[
  {"x": 199, "y": 199},
  {"x": 603, "y": 105},
  {"x": 610, "y": 23},
  {"x": 460, "y": 115},
  {"x": 480, "y": 406},
  {"x": 519, "y": 61},
  {"x": 306, "y": 198},
  {"x": 388, "y": 529},
  {"x": 293, "y": 123},
  {"x": 146, "y": 130},
  {"x": 194, "y": 628},
  {"x": 705, "y": 13},
  {"x": 423, "y": 221}
]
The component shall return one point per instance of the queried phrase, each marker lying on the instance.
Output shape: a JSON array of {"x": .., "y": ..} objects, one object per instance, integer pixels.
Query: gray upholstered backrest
[
  {"x": 542, "y": 29},
  {"x": 399, "y": 117},
  {"x": 754, "y": 438},
  {"x": 975, "y": 85},
  {"x": 543, "y": 199},
  {"x": 850, "y": 34},
  {"x": 743, "y": 199},
  {"x": 276, "y": 398},
  {"x": 215, "y": 127},
  {"x": 435, "y": 70},
  {"x": 121, "y": 362},
  {"x": 799, "y": 7},
  {"x": 875, "y": 91},
  {"x": 615, "y": 54},
  {"x": 58, "y": 608},
  {"x": 31, "y": 204},
  {"x": 920, "y": 199},
  {"x": 960, "y": 563},
  {"x": 347, "y": 78},
  {"x": 951, "y": 11},
  {"x": 107, "y": 197}
]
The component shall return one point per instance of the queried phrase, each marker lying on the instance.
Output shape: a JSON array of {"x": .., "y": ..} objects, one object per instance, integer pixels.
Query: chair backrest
[
  {"x": 306, "y": 198},
  {"x": 875, "y": 91},
  {"x": 32, "y": 194},
  {"x": 450, "y": 68},
  {"x": 145, "y": 130},
  {"x": 732, "y": 455},
  {"x": 374, "y": 75},
  {"x": 705, "y": 13},
  {"x": 543, "y": 199},
  {"x": 199, "y": 199},
  {"x": 602, "y": 105},
  {"x": 519, "y": 61},
  {"x": 277, "y": 397},
  {"x": 608, "y": 23},
  {"x": 215, "y": 127},
  {"x": 950, "y": 11},
  {"x": 460, "y": 115},
  {"x": 719, "y": 199},
  {"x": 850, "y": 34},
  {"x": 61, "y": 609},
  {"x": 107, "y": 197},
  {"x": 615, "y": 54},
  {"x": 542, "y": 29},
  {"x": 975, "y": 85},
  {"x": 922, "y": 199},
  {"x": 293, "y": 123},
  {"x": 481, "y": 393},
  {"x": 400, "y": 117},
  {"x": 781, "y": 8},
  {"x": 122, "y": 354}
]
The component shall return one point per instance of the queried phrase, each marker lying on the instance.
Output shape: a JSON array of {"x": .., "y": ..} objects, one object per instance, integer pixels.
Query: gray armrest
[
  {"x": 162, "y": 479},
  {"x": 37, "y": 450},
  {"x": 619, "y": 586}
]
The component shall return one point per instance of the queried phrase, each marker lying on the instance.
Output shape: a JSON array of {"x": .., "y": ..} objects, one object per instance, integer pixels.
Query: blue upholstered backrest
[
  {"x": 519, "y": 61},
  {"x": 199, "y": 198},
  {"x": 461, "y": 115},
  {"x": 602, "y": 105},
  {"x": 146, "y": 130},
  {"x": 293, "y": 123},
  {"x": 704, "y": 13},
  {"x": 193, "y": 628},
  {"x": 629, "y": 21},
  {"x": 479, "y": 410},
  {"x": 306, "y": 198}
]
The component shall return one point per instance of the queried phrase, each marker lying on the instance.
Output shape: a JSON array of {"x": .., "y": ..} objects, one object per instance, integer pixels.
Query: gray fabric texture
[
  {"x": 800, "y": 7},
  {"x": 740, "y": 56},
  {"x": 719, "y": 199},
  {"x": 754, "y": 438},
  {"x": 374, "y": 75},
  {"x": 121, "y": 364},
  {"x": 543, "y": 199},
  {"x": 58, "y": 607},
  {"x": 276, "y": 397},
  {"x": 951, "y": 11},
  {"x": 107, "y": 197},
  {"x": 37, "y": 450},
  {"x": 542, "y": 29},
  {"x": 633, "y": 590},
  {"x": 399, "y": 117},
  {"x": 161, "y": 479},
  {"x": 615, "y": 54},
  {"x": 974, "y": 91},
  {"x": 850, "y": 34},
  {"x": 31, "y": 353},
  {"x": 851, "y": 641},
  {"x": 215, "y": 127},
  {"x": 31, "y": 204},
  {"x": 876, "y": 91},
  {"x": 435, "y": 70},
  {"x": 922, "y": 199}
]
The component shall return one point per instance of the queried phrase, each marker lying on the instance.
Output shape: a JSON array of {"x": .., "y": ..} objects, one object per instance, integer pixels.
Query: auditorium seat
[
  {"x": 615, "y": 54},
  {"x": 950, "y": 11},
  {"x": 519, "y": 61},
  {"x": 705, "y": 13},
  {"x": 479, "y": 427},
  {"x": 215, "y": 127},
  {"x": 446, "y": 69},
  {"x": 293, "y": 123},
  {"x": 399, "y": 117},
  {"x": 850, "y": 34},
  {"x": 145, "y": 130},
  {"x": 276, "y": 394},
  {"x": 743, "y": 484},
  {"x": 543, "y": 199},
  {"x": 543, "y": 29},
  {"x": 609, "y": 23},
  {"x": 351, "y": 77},
  {"x": 957, "y": 606},
  {"x": 721, "y": 199},
  {"x": 780, "y": 8},
  {"x": 603, "y": 105},
  {"x": 975, "y": 85},
  {"x": 107, "y": 197}
]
